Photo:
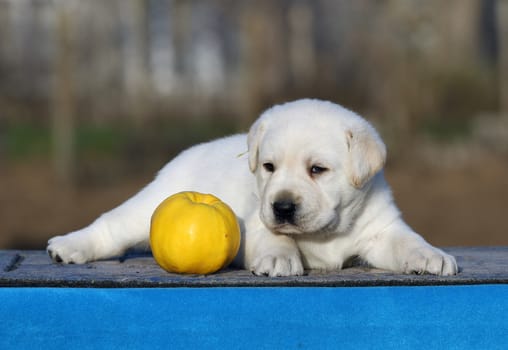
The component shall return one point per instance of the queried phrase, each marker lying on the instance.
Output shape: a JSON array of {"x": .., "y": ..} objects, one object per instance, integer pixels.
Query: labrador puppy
[{"x": 309, "y": 194}]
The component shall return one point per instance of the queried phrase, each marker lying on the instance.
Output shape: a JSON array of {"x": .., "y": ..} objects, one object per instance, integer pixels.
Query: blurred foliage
[
  {"x": 136, "y": 81},
  {"x": 447, "y": 130},
  {"x": 101, "y": 140},
  {"x": 24, "y": 140},
  {"x": 105, "y": 151},
  {"x": 463, "y": 92}
]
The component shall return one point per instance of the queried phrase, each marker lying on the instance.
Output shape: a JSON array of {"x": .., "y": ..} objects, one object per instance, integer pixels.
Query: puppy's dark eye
[
  {"x": 316, "y": 170},
  {"x": 269, "y": 167}
]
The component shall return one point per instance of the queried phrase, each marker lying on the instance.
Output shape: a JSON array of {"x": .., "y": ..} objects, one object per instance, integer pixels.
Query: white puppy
[{"x": 310, "y": 193}]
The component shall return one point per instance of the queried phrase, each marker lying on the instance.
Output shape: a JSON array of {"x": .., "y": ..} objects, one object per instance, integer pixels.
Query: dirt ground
[{"x": 449, "y": 206}]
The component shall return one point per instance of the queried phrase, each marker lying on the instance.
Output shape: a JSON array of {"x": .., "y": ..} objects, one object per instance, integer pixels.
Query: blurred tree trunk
[
  {"x": 302, "y": 55},
  {"x": 251, "y": 60},
  {"x": 136, "y": 66},
  {"x": 502, "y": 22},
  {"x": 264, "y": 56},
  {"x": 63, "y": 106}
]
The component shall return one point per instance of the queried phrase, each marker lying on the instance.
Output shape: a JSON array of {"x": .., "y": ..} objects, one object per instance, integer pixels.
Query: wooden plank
[{"x": 479, "y": 265}]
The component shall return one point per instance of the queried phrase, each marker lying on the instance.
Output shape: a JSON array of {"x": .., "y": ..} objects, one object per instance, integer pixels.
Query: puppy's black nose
[{"x": 284, "y": 210}]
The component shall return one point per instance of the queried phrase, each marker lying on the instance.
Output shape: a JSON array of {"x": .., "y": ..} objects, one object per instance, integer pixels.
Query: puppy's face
[
  {"x": 299, "y": 182},
  {"x": 304, "y": 155}
]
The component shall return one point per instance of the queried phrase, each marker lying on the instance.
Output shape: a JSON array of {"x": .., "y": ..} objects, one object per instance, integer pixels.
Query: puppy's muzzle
[{"x": 284, "y": 211}]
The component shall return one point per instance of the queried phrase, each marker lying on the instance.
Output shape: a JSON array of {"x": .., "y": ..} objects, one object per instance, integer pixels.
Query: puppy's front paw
[
  {"x": 428, "y": 259},
  {"x": 67, "y": 249},
  {"x": 278, "y": 264}
]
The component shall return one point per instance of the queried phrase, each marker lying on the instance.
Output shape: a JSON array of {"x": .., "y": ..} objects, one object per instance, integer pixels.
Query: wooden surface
[{"x": 479, "y": 265}]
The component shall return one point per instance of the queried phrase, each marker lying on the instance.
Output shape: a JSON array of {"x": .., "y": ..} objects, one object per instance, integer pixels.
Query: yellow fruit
[{"x": 194, "y": 233}]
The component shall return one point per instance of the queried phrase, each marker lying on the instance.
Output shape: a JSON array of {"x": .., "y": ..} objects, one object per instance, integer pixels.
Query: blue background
[{"x": 451, "y": 317}]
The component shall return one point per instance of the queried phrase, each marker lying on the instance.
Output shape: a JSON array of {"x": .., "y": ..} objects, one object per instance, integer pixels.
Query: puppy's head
[{"x": 312, "y": 161}]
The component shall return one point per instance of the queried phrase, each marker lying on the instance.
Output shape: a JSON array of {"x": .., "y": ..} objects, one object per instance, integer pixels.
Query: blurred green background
[{"x": 96, "y": 96}]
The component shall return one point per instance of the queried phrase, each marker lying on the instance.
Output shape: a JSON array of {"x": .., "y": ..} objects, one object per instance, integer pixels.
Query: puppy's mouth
[
  {"x": 303, "y": 228},
  {"x": 286, "y": 228}
]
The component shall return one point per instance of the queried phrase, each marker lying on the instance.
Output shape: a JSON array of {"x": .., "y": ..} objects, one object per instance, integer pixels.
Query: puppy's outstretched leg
[
  {"x": 112, "y": 233},
  {"x": 400, "y": 249}
]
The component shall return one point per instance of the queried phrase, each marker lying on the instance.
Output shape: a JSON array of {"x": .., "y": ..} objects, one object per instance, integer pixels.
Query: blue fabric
[{"x": 455, "y": 317}]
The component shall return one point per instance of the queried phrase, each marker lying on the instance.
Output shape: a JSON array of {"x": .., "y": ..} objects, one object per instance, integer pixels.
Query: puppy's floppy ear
[
  {"x": 256, "y": 132},
  {"x": 366, "y": 154}
]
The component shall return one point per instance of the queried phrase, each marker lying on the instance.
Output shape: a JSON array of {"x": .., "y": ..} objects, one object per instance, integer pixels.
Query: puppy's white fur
[{"x": 324, "y": 160}]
